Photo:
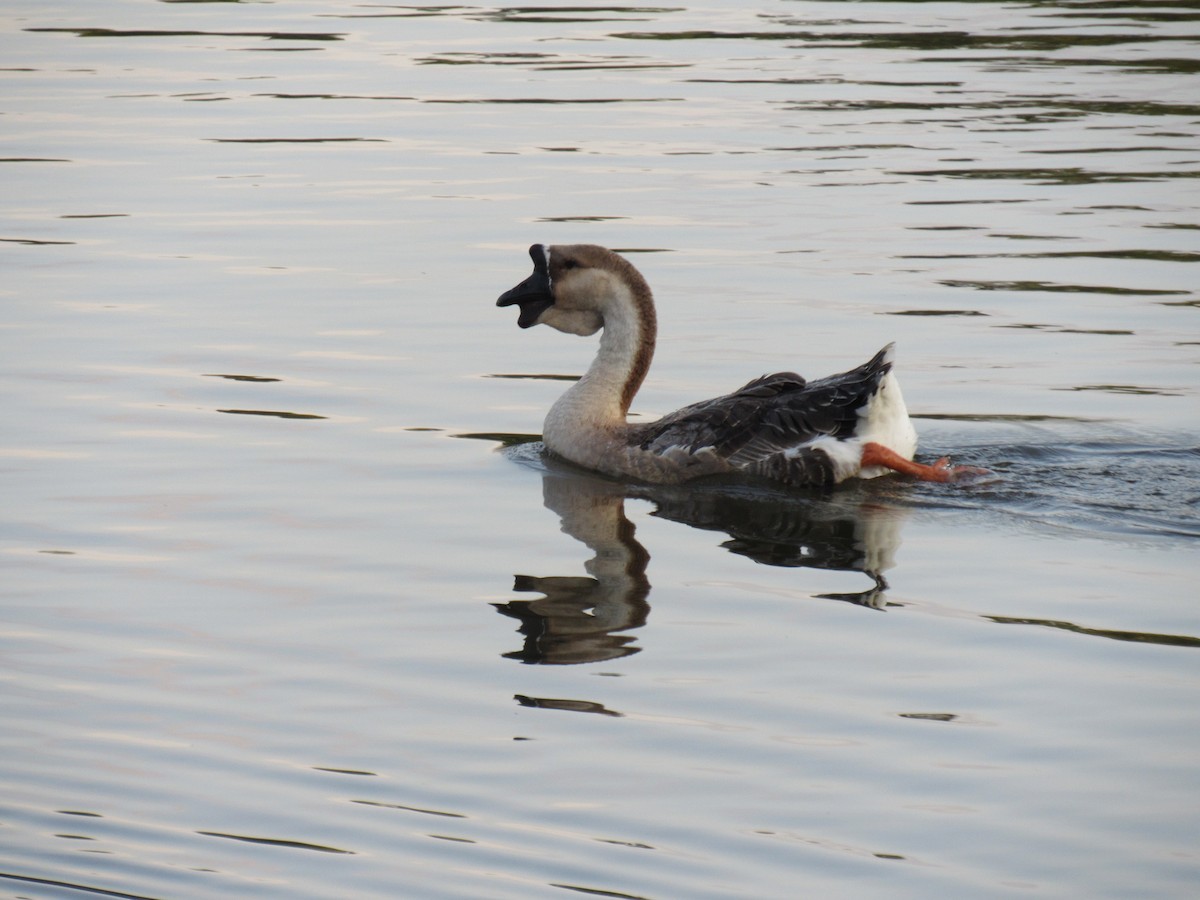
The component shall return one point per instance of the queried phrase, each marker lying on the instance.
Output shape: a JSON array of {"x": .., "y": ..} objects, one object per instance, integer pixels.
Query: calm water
[{"x": 294, "y": 607}]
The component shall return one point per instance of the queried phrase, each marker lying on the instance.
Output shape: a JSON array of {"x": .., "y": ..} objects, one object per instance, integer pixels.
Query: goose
[{"x": 780, "y": 427}]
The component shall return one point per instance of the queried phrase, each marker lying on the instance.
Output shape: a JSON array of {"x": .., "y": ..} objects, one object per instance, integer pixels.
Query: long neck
[
  {"x": 603, "y": 395},
  {"x": 626, "y": 350}
]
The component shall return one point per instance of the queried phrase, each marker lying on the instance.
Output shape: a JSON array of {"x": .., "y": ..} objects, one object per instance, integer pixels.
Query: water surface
[{"x": 293, "y": 604}]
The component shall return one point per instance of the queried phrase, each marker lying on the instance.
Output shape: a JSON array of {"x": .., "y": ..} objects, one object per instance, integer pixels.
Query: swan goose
[{"x": 779, "y": 426}]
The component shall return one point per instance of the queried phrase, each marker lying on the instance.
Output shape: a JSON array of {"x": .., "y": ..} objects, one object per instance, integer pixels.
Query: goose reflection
[{"x": 590, "y": 618}]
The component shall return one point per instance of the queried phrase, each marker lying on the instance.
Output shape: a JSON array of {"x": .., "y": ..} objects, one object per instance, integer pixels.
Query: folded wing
[{"x": 772, "y": 415}]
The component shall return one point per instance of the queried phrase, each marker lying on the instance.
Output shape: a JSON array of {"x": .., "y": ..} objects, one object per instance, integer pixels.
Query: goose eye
[{"x": 570, "y": 264}]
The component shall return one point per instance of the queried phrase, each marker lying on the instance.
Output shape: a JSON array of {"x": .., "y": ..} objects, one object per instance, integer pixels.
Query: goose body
[{"x": 781, "y": 426}]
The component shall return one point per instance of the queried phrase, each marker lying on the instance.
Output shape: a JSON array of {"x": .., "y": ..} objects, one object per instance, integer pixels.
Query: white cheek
[{"x": 573, "y": 321}]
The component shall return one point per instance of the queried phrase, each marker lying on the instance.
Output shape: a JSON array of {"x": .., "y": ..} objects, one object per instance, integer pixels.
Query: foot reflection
[{"x": 586, "y": 619}]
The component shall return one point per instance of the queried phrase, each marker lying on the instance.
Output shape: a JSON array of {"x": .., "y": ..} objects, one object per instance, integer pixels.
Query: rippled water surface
[{"x": 294, "y": 606}]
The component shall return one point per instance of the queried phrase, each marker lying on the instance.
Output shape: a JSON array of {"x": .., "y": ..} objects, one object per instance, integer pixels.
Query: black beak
[{"x": 534, "y": 294}]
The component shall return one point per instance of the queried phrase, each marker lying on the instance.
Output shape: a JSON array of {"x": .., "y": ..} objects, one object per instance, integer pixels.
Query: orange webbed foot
[
  {"x": 941, "y": 471},
  {"x": 945, "y": 472}
]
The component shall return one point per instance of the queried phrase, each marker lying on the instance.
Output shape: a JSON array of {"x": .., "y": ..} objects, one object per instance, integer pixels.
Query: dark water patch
[
  {"x": 553, "y": 100},
  {"x": 276, "y": 842},
  {"x": 602, "y": 66},
  {"x": 1078, "y": 151},
  {"x": 568, "y": 14},
  {"x": 1195, "y": 303},
  {"x": 34, "y": 242},
  {"x": 336, "y": 771},
  {"x": 534, "y": 14},
  {"x": 1155, "y": 255},
  {"x": 279, "y": 414},
  {"x": 1132, "y": 15},
  {"x": 33, "y": 159},
  {"x": 282, "y": 49},
  {"x": 585, "y": 706},
  {"x": 934, "y": 312},
  {"x": 839, "y": 148},
  {"x": 636, "y": 845},
  {"x": 575, "y": 219},
  {"x": 929, "y": 716},
  {"x": 72, "y": 886},
  {"x": 1013, "y": 112},
  {"x": 317, "y": 140},
  {"x": 1125, "y": 107},
  {"x": 58, "y": 553},
  {"x": 536, "y": 377},
  {"x": 454, "y": 838},
  {"x": 285, "y": 96},
  {"x": 916, "y": 40},
  {"x": 466, "y": 58},
  {"x": 504, "y": 439},
  {"x": 983, "y": 201},
  {"x": 546, "y": 62},
  {"x": 1057, "y": 288},
  {"x": 1186, "y": 226},
  {"x": 1140, "y": 637},
  {"x": 946, "y": 228},
  {"x": 254, "y": 378},
  {"x": 417, "y": 809},
  {"x": 598, "y": 892},
  {"x": 827, "y": 80},
  {"x": 95, "y": 216},
  {"x": 1034, "y": 237},
  {"x": 1124, "y": 389},
  {"x": 399, "y": 12},
  {"x": 78, "y": 812},
  {"x": 1058, "y": 329},
  {"x": 1071, "y": 175},
  {"x": 153, "y": 32},
  {"x": 1147, "y": 255}
]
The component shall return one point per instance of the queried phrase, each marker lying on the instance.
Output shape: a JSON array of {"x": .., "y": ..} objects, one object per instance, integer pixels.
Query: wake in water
[{"x": 1118, "y": 488}]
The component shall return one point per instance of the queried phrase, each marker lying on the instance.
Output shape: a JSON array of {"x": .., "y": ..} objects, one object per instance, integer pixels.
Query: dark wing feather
[{"x": 770, "y": 414}]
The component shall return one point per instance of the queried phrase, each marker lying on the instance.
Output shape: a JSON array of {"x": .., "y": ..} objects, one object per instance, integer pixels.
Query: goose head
[{"x": 575, "y": 288}]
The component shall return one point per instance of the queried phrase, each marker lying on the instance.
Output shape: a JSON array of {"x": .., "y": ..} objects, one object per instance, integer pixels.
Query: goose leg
[{"x": 874, "y": 454}]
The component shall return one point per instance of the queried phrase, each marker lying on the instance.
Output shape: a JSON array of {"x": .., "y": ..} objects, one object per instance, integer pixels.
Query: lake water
[{"x": 293, "y": 605}]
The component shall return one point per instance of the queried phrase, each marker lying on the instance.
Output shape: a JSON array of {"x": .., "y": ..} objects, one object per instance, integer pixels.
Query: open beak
[{"x": 534, "y": 295}]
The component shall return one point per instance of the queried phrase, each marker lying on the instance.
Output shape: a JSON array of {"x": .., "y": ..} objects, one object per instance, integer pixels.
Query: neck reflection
[{"x": 585, "y": 618}]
